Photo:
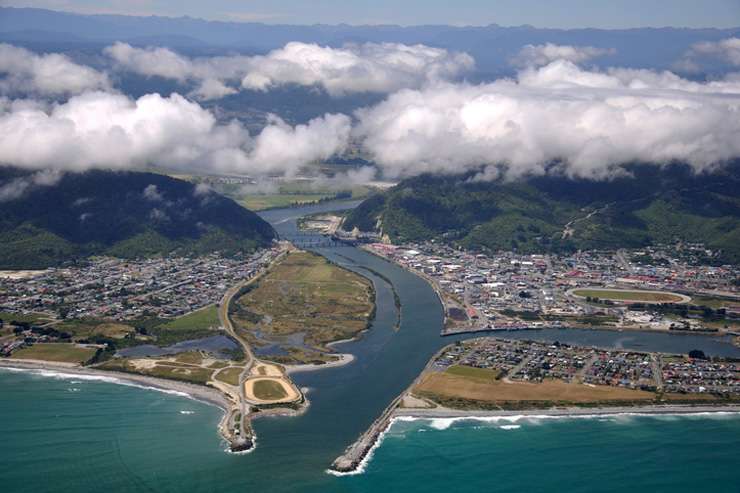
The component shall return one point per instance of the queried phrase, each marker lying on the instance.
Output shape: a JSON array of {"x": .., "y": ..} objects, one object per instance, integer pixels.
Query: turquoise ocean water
[{"x": 64, "y": 434}]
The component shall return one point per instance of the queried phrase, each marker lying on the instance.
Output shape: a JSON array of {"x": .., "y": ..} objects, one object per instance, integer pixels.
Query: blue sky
[{"x": 540, "y": 13}]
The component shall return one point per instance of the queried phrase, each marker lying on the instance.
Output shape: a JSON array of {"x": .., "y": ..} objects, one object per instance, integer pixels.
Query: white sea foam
[
  {"x": 243, "y": 452},
  {"x": 445, "y": 423},
  {"x": 61, "y": 375},
  {"x": 366, "y": 460},
  {"x": 514, "y": 420}
]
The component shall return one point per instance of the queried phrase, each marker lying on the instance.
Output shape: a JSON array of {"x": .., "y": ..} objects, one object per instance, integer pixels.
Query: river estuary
[{"x": 74, "y": 435}]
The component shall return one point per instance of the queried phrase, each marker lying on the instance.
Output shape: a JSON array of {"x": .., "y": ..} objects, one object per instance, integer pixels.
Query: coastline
[
  {"x": 567, "y": 412},
  {"x": 206, "y": 395},
  {"x": 357, "y": 456}
]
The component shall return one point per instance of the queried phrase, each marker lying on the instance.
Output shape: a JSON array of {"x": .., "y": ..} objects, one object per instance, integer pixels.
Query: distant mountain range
[
  {"x": 491, "y": 46},
  {"x": 45, "y": 222},
  {"x": 553, "y": 214}
]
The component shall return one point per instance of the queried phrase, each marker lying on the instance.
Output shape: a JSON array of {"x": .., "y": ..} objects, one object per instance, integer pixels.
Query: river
[{"x": 146, "y": 441}]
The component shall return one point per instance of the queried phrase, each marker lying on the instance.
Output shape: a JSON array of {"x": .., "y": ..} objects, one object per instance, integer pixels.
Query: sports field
[
  {"x": 631, "y": 295},
  {"x": 230, "y": 375},
  {"x": 269, "y": 390}
]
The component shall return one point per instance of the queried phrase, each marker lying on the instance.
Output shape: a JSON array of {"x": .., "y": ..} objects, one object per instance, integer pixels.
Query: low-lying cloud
[
  {"x": 538, "y": 55},
  {"x": 106, "y": 130},
  {"x": 588, "y": 121},
  {"x": 353, "y": 68},
  {"x": 52, "y": 74},
  {"x": 726, "y": 50}
]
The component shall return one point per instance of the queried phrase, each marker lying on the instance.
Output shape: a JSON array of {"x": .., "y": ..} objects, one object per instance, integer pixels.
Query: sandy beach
[
  {"x": 441, "y": 412},
  {"x": 344, "y": 359},
  {"x": 197, "y": 392}
]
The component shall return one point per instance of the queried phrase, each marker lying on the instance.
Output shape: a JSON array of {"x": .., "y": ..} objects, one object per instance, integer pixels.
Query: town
[
  {"x": 530, "y": 361},
  {"x": 674, "y": 287},
  {"x": 125, "y": 289}
]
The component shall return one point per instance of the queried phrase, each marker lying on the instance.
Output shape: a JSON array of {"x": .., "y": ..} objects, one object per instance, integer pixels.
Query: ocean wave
[
  {"x": 515, "y": 423},
  {"x": 79, "y": 377},
  {"x": 625, "y": 416}
]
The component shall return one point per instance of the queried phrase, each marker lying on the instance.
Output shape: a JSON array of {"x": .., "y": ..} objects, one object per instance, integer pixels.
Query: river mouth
[
  {"x": 345, "y": 401},
  {"x": 293, "y": 453}
]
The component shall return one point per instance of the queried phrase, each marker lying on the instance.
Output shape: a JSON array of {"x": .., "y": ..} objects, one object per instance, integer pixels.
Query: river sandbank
[{"x": 344, "y": 359}]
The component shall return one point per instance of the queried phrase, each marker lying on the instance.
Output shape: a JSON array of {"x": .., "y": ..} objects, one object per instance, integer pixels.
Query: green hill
[
  {"x": 559, "y": 214},
  {"x": 126, "y": 214}
]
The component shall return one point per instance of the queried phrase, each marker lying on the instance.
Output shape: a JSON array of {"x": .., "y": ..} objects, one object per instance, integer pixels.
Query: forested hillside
[
  {"x": 47, "y": 220},
  {"x": 560, "y": 214}
]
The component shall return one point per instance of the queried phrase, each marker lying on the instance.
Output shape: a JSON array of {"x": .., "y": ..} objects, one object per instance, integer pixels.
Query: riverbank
[{"x": 344, "y": 359}]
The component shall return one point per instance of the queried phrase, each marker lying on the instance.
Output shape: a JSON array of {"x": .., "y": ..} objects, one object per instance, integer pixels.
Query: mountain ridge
[
  {"x": 49, "y": 220},
  {"x": 554, "y": 214}
]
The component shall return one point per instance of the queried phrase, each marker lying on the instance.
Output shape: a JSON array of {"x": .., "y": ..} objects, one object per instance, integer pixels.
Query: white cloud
[
  {"x": 210, "y": 74},
  {"x": 351, "y": 69},
  {"x": 152, "y": 194},
  {"x": 538, "y": 55},
  {"x": 590, "y": 121},
  {"x": 18, "y": 187},
  {"x": 50, "y": 74},
  {"x": 113, "y": 131},
  {"x": 726, "y": 50}
]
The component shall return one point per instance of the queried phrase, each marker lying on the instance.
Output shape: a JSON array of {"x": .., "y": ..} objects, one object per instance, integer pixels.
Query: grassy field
[
  {"x": 305, "y": 294},
  {"x": 269, "y": 390},
  {"x": 60, "y": 352},
  {"x": 230, "y": 376},
  {"x": 189, "y": 357},
  {"x": 618, "y": 295},
  {"x": 713, "y": 302},
  {"x": 464, "y": 387},
  {"x": 473, "y": 373},
  {"x": 21, "y": 317},
  {"x": 205, "y": 318},
  {"x": 112, "y": 330}
]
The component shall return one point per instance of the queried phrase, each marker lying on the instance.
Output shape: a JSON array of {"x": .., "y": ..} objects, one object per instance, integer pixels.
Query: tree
[{"x": 697, "y": 354}]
